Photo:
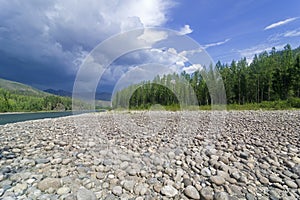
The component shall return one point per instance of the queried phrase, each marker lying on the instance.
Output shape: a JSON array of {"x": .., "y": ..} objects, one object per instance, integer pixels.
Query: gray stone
[
  {"x": 250, "y": 196},
  {"x": 191, "y": 192},
  {"x": 264, "y": 180},
  {"x": 205, "y": 172},
  {"x": 117, "y": 190},
  {"x": 129, "y": 185},
  {"x": 236, "y": 175},
  {"x": 20, "y": 188},
  {"x": 84, "y": 194},
  {"x": 124, "y": 165},
  {"x": 296, "y": 169},
  {"x": 47, "y": 183},
  {"x": 291, "y": 184},
  {"x": 169, "y": 191},
  {"x": 42, "y": 160},
  {"x": 244, "y": 155},
  {"x": 186, "y": 182},
  {"x": 274, "y": 194},
  {"x": 218, "y": 180},
  {"x": 63, "y": 190},
  {"x": 221, "y": 196},
  {"x": 100, "y": 175},
  {"x": 207, "y": 193},
  {"x": 275, "y": 179}
]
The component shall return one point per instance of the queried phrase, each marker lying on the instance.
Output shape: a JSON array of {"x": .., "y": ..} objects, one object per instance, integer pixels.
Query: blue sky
[
  {"x": 44, "y": 43},
  {"x": 240, "y": 25}
]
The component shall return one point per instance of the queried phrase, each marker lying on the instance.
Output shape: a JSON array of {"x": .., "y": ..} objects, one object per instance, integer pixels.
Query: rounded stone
[
  {"x": 129, "y": 185},
  {"x": 117, "y": 190},
  {"x": 207, "y": 193},
  {"x": 264, "y": 180},
  {"x": 63, "y": 190},
  {"x": 47, "y": 183},
  {"x": 191, "y": 192},
  {"x": 218, "y": 180},
  {"x": 221, "y": 196},
  {"x": 206, "y": 172},
  {"x": 169, "y": 191},
  {"x": 274, "y": 179},
  {"x": 84, "y": 194},
  {"x": 186, "y": 182},
  {"x": 291, "y": 184}
]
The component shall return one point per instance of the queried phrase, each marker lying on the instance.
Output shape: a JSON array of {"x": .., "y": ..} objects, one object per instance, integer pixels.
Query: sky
[{"x": 45, "y": 43}]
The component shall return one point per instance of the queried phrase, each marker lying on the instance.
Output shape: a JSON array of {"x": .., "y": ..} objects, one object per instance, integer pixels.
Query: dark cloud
[{"x": 43, "y": 43}]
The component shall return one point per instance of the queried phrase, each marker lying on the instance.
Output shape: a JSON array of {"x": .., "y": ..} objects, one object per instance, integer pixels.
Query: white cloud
[
  {"x": 280, "y": 23},
  {"x": 216, "y": 44},
  {"x": 189, "y": 53},
  {"x": 185, "y": 30},
  {"x": 151, "y": 36},
  {"x": 293, "y": 33},
  {"x": 192, "y": 68}
]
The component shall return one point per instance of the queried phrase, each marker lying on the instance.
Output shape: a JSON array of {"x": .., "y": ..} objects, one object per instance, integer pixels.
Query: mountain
[
  {"x": 105, "y": 96},
  {"x": 59, "y": 92},
  {"x": 22, "y": 89}
]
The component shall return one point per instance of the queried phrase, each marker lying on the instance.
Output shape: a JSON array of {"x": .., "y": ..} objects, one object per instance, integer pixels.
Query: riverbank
[{"x": 162, "y": 155}]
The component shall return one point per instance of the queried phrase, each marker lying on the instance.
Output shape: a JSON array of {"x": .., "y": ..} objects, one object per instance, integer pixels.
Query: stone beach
[{"x": 153, "y": 155}]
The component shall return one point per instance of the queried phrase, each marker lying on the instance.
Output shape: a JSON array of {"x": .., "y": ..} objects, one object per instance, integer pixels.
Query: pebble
[
  {"x": 218, "y": 180},
  {"x": 207, "y": 193},
  {"x": 274, "y": 179},
  {"x": 191, "y": 192},
  {"x": 221, "y": 196},
  {"x": 205, "y": 172},
  {"x": 169, "y": 191},
  {"x": 84, "y": 194},
  {"x": 49, "y": 183},
  {"x": 129, "y": 185},
  {"x": 291, "y": 184},
  {"x": 111, "y": 159},
  {"x": 117, "y": 190},
  {"x": 186, "y": 182},
  {"x": 63, "y": 190},
  {"x": 20, "y": 188}
]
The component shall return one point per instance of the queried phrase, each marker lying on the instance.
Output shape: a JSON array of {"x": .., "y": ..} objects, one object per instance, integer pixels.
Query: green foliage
[
  {"x": 21, "y": 89},
  {"x": 271, "y": 81},
  {"x": 294, "y": 102},
  {"x": 11, "y": 102}
]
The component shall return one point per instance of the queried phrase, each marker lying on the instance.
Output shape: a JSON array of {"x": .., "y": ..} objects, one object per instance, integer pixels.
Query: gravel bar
[{"x": 153, "y": 155}]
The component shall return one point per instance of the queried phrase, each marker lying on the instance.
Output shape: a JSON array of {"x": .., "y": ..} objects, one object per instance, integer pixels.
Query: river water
[{"x": 19, "y": 117}]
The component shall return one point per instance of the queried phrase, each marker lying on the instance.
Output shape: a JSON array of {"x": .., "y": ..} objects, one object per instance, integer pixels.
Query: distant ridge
[
  {"x": 20, "y": 88},
  {"x": 105, "y": 96},
  {"x": 59, "y": 92}
]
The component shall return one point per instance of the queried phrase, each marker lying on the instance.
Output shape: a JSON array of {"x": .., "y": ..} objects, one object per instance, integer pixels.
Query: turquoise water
[{"x": 11, "y": 118}]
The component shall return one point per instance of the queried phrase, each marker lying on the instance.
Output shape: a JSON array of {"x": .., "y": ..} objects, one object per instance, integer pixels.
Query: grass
[{"x": 289, "y": 104}]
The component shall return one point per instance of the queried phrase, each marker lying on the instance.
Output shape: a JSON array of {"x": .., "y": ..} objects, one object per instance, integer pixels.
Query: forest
[
  {"x": 271, "y": 80},
  {"x": 15, "y": 102}
]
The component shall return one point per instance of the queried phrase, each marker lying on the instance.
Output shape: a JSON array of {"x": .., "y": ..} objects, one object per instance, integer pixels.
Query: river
[{"x": 19, "y": 117}]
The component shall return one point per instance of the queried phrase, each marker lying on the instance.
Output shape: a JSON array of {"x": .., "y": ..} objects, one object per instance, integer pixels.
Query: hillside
[
  {"x": 21, "y": 89},
  {"x": 18, "y": 97}
]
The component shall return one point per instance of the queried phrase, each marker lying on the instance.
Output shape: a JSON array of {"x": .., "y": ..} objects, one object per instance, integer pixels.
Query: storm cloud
[{"x": 43, "y": 43}]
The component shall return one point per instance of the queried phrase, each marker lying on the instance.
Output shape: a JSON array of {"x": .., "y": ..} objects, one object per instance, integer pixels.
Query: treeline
[
  {"x": 13, "y": 102},
  {"x": 270, "y": 77}
]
